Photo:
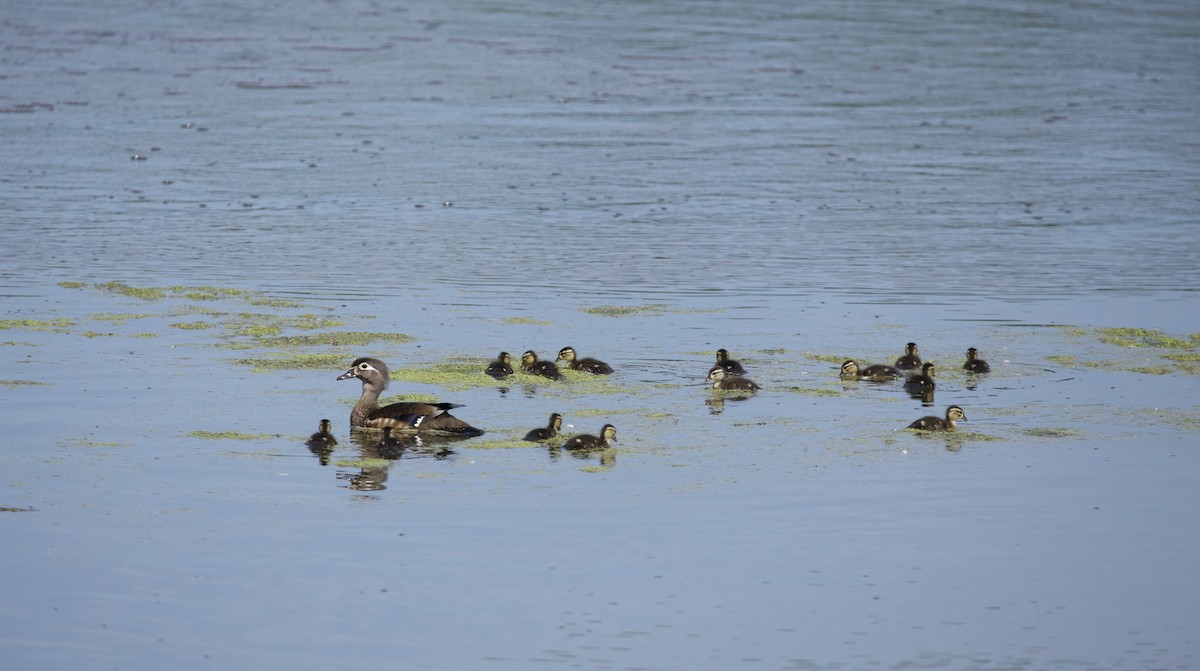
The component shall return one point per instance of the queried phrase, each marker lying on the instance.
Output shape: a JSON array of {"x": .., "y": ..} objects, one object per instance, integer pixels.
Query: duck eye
[{"x": 364, "y": 366}]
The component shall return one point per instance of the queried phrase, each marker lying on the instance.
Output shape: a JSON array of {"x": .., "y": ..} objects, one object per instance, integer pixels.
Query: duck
[
  {"x": 974, "y": 364},
  {"x": 323, "y": 437},
  {"x": 910, "y": 360},
  {"x": 548, "y": 431},
  {"x": 608, "y": 435},
  {"x": 531, "y": 365},
  {"x": 501, "y": 367},
  {"x": 401, "y": 416},
  {"x": 878, "y": 372},
  {"x": 922, "y": 381},
  {"x": 586, "y": 364},
  {"x": 932, "y": 423},
  {"x": 721, "y": 379},
  {"x": 732, "y": 367}
]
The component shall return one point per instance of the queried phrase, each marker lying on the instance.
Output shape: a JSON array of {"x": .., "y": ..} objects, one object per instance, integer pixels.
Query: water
[{"x": 798, "y": 184}]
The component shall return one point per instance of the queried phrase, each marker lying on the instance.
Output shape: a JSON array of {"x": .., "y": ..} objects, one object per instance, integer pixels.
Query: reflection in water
[
  {"x": 379, "y": 451},
  {"x": 606, "y": 456},
  {"x": 322, "y": 442}
]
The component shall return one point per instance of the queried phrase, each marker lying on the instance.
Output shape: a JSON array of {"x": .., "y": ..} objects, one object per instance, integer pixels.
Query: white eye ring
[{"x": 364, "y": 366}]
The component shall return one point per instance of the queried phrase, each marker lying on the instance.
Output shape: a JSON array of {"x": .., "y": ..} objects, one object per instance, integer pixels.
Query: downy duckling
[
  {"x": 400, "y": 416},
  {"x": 501, "y": 367},
  {"x": 974, "y": 364},
  {"x": 608, "y": 435},
  {"x": 876, "y": 373},
  {"x": 548, "y": 431},
  {"x": 731, "y": 366},
  {"x": 586, "y": 364},
  {"x": 932, "y": 423},
  {"x": 722, "y": 380},
  {"x": 922, "y": 381},
  {"x": 910, "y": 360},
  {"x": 323, "y": 437},
  {"x": 531, "y": 365}
]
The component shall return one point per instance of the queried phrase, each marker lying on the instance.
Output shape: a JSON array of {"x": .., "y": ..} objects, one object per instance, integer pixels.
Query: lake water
[{"x": 800, "y": 183}]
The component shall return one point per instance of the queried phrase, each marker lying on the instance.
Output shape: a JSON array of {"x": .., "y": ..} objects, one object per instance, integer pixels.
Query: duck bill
[{"x": 347, "y": 375}]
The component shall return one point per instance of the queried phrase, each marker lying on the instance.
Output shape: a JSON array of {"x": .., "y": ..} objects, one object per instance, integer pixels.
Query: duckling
[
  {"x": 531, "y": 365},
  {"x": 974, "y": 364},
  {"x": 608, "y": 435},
  {"x": 931, "y": 423},
  {"x": 586, "y": 364},
  {"x": 732, "y": 367},
  {"x": 910, "y": 360},
  {"x": 922, "y": 381},
  {"x": 402, "y": 416},
  {"x": 501, "y": 367},
  {"x": 721, "y": 379},
  {"x": 875, "y": 373},
  {"x": 323, "y": 437},
  {"x": 548, "y": 431}
]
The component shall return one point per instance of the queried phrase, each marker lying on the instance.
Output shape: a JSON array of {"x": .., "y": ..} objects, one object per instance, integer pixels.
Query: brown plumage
[
  {"x": 877, "y": 372},
  {"x": 399, "y": 416},
  {"x": 531, "y": 365},
  {"x": 910, "y": 360},
  {"x": 732, "y": 367},
  {"x": 974, "y": 364},
  {"x": 586, "y": 364},
  {"x": 608, "y": 435},
  {"x": 548, "y": 431},
  {"x": 501, "y": 367},
  {"x": 721, "y": 379},
  {"x": 932, "y": 423}
]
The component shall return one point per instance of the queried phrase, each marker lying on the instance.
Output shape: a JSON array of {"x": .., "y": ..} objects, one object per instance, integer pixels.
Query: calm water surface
[{"x": 798, "y": 183}]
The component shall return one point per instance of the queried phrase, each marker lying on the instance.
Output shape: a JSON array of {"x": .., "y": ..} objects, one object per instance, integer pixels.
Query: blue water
[{"x": 799, "y": 184}]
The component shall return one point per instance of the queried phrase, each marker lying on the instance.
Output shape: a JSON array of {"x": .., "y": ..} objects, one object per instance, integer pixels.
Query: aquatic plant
[
  {"x": 626, "y": 310},
  {"x": 228, "y": 435},
  {"x": 55, "y": 325}
]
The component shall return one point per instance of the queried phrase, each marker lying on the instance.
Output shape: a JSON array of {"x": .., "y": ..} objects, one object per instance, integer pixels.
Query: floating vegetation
[
  {"x": 504, "y": 444},
  {"x": 206, "y": 293},
  {"x": 11, "y": 509},
  {"x": 192, "y": 326},
  {"x": 525, "y": 320},
  {"x": 259, "y": 325},
  {"x": 1138, "y": 337},
  {"x": 813, "y": 391},
  {"x": 829, "y": 358},
  {"x": 267, "y": 302},
  {"x": 457, "y": 376},
  {"x": 95, "y": 334},
  {"x": 55, "y": 325},
  {"x": 1051, "y": 432},
  {"x": 11, "y": 384},
  {"x": 118, "y": 317},
  {"x": 145, "y": 335},
  {"x": 72, "y": 285},
  {"x": 229, "y": 435},
  {"x": 294, "y": 362},
  {"x": 627, "y": 310},
  {"x": 1064, "y": 360},
  {"x": 365, "y": 463},
  {"x": 143, "y": 293},
  {"x": 339, "y": 338}
]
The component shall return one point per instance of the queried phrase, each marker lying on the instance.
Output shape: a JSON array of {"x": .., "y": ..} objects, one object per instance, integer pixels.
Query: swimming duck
[
  {"x": 586, "y": 364},
  {"x": 531, "y": 365},
  {"x": 910, "y": 360},
  {"x": 501, "y": 367},
  {"x": 732, "y": 367},
  {"x": 721, "y": 379},
  {"x": 931, "y": 423},
  {"x": 548, "y": 431},
  {"x": 608, "y": 435},
  {"x": 323, "y": 437},
  {"x": 401, "y": 416},
  {"x": 877, "y": 372},
  {"x": 921, "y": 381},
  {"x": 974, "y": 364}
]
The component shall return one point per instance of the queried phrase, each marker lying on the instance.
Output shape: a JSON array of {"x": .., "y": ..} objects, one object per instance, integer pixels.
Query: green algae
[
  {"x": 336, "y": 338},
  {"x": 829, "y": 358},
  {"x": 72, "y": 285},
  {"x": 192, "y": 326},
  {"x": 11, "y": 509},
  {"x": 293, "y": 362},
  {"x": 813, "y": 391},
  {"x": 60, "y": 325},
  {"x": 365, "y": 463},
  {"x": 123, "y": 289},
  {"x": 228, "y": 435},
  {"x": 627, "y": 310},
  {"x": 506, "y": 444},
  {"x": 96, "y": 334},
  {"x": 525, "y": 320},
  {"x": 1064, "y": 360},
  {"x": 268, "y": 302},
  {"x": 12, "y": 384},
  {"x": 206, "y": 293},
  {"x": 145, "y": 335},
  {"x": 1053, "y": 432},
  {"x": 118, "y": 317},
  {"x": 1140, "y": 337}
]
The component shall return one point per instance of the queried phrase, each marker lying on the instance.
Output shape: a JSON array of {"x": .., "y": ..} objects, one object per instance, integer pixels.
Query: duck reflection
[
  {"x": 322, "y": 442},
  {"x": 380, "y": 449}
]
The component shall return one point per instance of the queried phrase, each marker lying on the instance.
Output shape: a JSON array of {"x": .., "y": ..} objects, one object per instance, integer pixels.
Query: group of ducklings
[
  {"x": 530, "y": 363},
  {"x": 727, "y": 375},
  {"x": 918, "y": 383}
]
